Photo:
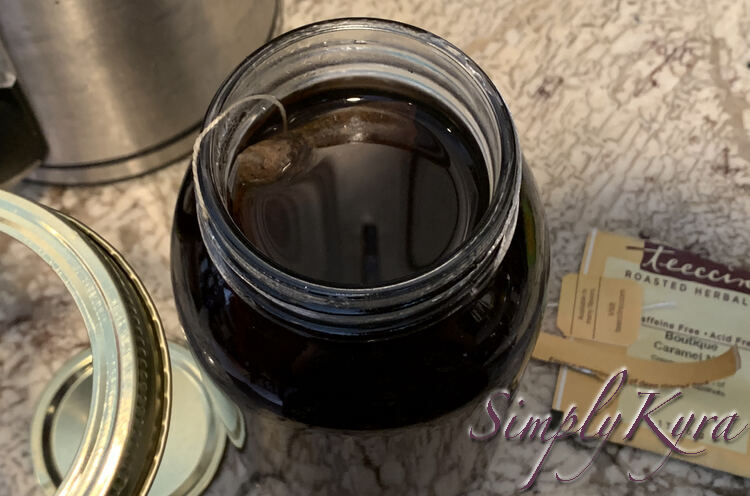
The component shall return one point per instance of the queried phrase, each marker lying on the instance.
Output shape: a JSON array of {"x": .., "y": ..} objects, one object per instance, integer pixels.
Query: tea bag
[
  {"x": 265, "y": 161},
  {"x": 291, "y": 152}
]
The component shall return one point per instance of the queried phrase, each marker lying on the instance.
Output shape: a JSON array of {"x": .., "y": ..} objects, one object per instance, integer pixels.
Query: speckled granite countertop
[{"x": 634, "y": 116}]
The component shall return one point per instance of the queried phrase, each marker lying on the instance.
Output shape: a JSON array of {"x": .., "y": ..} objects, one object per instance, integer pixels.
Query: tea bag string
[{"x": 232, "y": 108}]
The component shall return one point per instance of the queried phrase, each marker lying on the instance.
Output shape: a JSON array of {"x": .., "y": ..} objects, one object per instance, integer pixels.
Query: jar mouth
[{"x": 337, "y": 49}]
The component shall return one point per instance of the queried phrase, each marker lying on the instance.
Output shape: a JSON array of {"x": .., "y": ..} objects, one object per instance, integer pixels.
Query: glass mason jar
[{"x": 362, "y": 389}]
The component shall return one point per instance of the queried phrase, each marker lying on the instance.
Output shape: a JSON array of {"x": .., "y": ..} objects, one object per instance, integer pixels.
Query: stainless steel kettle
[{"x": 114, "y": 88}]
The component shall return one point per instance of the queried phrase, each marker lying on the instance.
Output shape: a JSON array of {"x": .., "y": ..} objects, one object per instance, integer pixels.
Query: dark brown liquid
[
  {"x": 363, "y": 189},
  {"x": 263, "y": 361}
]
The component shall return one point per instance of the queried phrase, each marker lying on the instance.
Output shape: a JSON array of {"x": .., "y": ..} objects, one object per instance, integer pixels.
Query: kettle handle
[{"x": 22, "y": 145}]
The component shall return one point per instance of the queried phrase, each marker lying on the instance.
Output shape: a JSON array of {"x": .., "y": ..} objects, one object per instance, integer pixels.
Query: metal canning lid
[
  {"x": 128, "y": 417},
  {"x": 193, "y": 450}
]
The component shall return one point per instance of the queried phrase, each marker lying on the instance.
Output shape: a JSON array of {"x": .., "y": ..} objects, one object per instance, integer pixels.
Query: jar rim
[
  {"x": 493, "y": 231},
  {"x": 131, "y": 370}
]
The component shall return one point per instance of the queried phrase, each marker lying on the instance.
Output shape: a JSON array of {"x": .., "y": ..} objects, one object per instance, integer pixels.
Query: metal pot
[{"x": 115, "y": 88}]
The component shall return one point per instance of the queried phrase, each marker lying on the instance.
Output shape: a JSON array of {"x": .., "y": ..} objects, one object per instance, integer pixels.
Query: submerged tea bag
[
  {"x": 291, "y": 152},
  {"x": 265, "y": 161}
]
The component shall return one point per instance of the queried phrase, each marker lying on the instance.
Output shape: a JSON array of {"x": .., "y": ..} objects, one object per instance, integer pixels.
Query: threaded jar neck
[{"x": 395, "y": 55}]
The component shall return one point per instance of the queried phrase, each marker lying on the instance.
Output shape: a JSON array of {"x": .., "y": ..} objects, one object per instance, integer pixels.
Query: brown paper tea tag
[{"x": 600, "y": 309}]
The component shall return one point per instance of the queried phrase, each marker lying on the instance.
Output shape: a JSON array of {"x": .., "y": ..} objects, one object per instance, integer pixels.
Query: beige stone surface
[{"x": 634, "y": 116}]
